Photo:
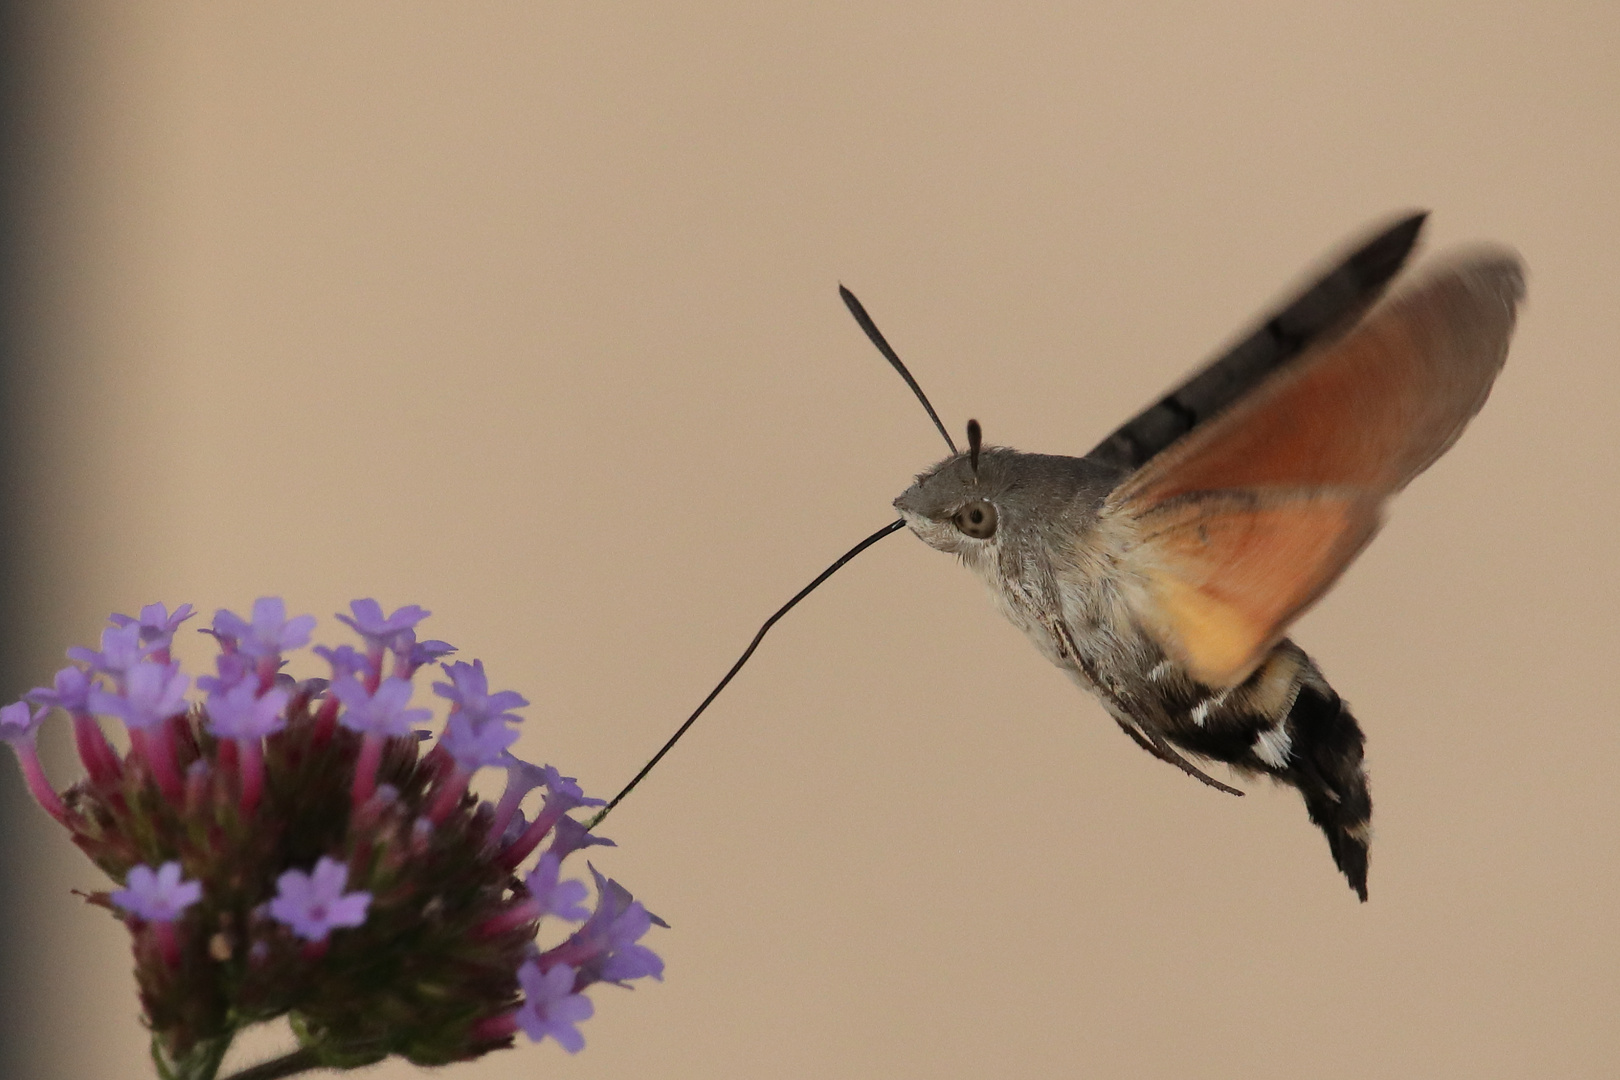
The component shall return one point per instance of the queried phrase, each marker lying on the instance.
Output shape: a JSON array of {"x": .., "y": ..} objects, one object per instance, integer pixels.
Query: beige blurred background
[{"x": 527, "y": 313}]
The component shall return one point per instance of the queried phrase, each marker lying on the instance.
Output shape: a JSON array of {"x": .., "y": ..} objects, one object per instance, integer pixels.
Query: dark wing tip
[
  {"x": 1382, "y": 257},
  {"x": 1330, "y": 303}
]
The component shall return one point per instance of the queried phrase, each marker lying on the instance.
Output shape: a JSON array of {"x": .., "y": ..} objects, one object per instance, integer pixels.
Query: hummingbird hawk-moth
[{"x": 1162, "y": 569}]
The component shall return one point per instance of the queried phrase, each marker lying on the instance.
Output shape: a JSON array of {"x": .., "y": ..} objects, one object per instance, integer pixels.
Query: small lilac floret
[
  {"x": 269, "y": 632},
  {"x": 515, "y": 827},
  {"x": 152, "y": 694},
  {"x": 523, "y": 777},
  {"x": 19, "y": 729},
  {"x": 70, "y": 693},
  {"x": 233, "y": 668},
  {"x": 613, "y": 929},
  {"x": 158, "y": 896},
  {"x": 345, "y": 660},
  {"x": 566, "y": 789},
  {"x": 555, "y": 897},
  {"x": 156, "y": 625},
  {"x": 569, "y": 836},
  {"x": 120, "y": 650},
  {"x": 239, "y": 713},
  {"x": 425, "y": 652},
  {"x": 550, "y": 1006},
  {"x": 383, "y": 632},
  {"x": 468, "y": 691},
  {"x": 382, "y": 713},
  {"x": 17, "y": 726},
  {"x": 473, "y": 747},
  {"x": 313, "y": 904}
]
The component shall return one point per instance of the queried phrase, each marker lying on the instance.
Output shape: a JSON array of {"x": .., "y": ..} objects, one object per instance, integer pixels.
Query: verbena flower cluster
[{"x": 287, "y": 848}]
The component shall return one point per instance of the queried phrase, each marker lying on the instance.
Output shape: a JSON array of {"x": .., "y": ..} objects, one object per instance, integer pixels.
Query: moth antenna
[
  {"x": 876, "y": 335},
  {"x": 975, "y": 439},
  {"x": 891, "y": 527}
]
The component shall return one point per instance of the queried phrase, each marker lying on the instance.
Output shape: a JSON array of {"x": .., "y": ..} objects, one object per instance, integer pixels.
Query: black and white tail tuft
[{"x": 1325, "y": 765}]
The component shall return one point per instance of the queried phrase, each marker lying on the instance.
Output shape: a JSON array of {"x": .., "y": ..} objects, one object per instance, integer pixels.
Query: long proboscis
[
  {"x": 893, "y": 526},
  {"x": 865, "y": 322},
  {"x": 857, "y": 309}
]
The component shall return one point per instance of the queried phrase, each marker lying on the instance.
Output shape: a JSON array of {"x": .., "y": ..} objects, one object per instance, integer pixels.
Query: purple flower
[
  {"x": 609, "y": 936},
  {"x": 425, "y": 652},
  {"x": 313, "y": 904},
  {"x": 156, "y": 625},
  {"x": 17, "y": 726},
  {"x": 120, "y": 650},
  {"x": 310, "y": 688},
  {"x": 550, "y": 1006},
  {"x": 191, "y": 756},
  {"x": 233, "y": 668},
  {"x": 382, "y": 713},
  {"x": 569, "y": 836},
  {"x": 513, "y": 829},
  {"x": 468, "y": 692},
  {"x": 152, "y": 694},
  {"x": 565, "y": 790},
  {"x": 239, "y": 713},
  {"x": 473, "y": 747},
  {"x": 269, "y": 633},
  {"x": 523, "y": 777},
  {"x": 157, "y": 897},
  {"x": 345, "y": 660},
  {"x": 71, "y": 692},
  {"x": 19, "y": 729},
  {"x": 380, "y": 632},
  {"x": 559, "y": 898}
]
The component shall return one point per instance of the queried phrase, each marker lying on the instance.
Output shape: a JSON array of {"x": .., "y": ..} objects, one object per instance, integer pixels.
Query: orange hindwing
[{"x": 1243, "y": 522}]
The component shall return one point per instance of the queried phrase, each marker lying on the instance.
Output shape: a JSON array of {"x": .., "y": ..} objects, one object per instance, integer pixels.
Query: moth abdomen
[
  {"x": 1326, "y": 767},
  {"x": 1286, "y": 722}
]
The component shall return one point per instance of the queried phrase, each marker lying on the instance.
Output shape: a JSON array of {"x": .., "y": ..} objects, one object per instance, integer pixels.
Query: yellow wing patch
[
  {"x": 1214, "y": 639},
  {"x": 1226, "y": 573}
]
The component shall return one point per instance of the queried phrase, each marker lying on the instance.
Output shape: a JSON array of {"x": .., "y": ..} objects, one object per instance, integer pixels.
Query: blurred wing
[
  {"x": 1244, "y": 521},
  {"x": 1333, "y": 300}
]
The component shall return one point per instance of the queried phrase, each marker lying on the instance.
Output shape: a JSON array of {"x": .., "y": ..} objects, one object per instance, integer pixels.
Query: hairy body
[
  {"x": 1162, "y": 569},
  {"x": 1064, "y": 577}
]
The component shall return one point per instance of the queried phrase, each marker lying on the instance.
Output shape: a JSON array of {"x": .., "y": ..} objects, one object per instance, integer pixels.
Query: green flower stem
[
  {"x": 205, "y": 1059},
  {"x": 201, "y": 1064},
  {"x": 301, "y": 1060}
]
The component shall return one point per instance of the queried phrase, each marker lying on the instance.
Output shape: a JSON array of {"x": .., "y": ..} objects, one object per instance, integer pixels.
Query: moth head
[
  {"x": 950, "y": 509},
  {"x": 986, "y": 498}
]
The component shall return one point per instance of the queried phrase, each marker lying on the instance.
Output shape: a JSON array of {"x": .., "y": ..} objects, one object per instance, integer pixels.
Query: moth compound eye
[{"x": 977, "y": 519}]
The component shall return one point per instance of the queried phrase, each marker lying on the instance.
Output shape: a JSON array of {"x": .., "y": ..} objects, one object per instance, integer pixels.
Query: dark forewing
[{"x": 1330, "y": 305}]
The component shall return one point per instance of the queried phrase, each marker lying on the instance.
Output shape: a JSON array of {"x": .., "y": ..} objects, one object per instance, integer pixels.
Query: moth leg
[
  {"x": 1153, "y": 744},
  {"x": 1165, "y": 752}
]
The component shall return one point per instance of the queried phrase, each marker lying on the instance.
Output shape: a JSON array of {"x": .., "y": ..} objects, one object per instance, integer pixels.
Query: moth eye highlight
[{"x": 977, "y": 519}]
